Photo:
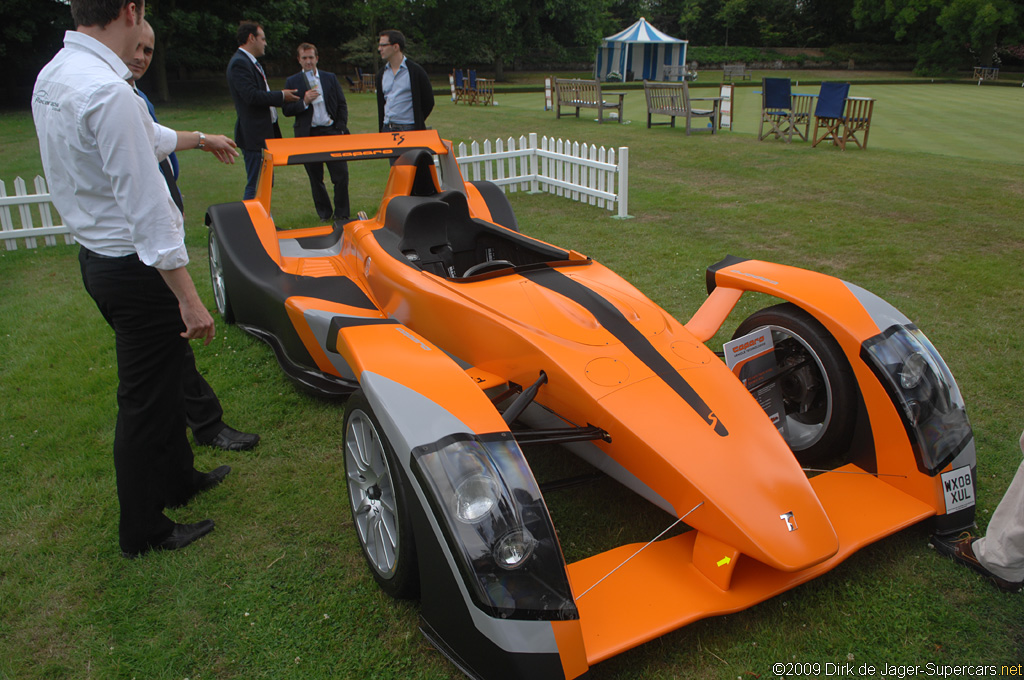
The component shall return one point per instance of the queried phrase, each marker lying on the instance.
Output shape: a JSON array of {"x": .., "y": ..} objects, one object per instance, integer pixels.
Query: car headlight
[
  {"x": 913, "y": 371},
  {"x": 497, "y": 525},
  {"x": 475, "y": 497},
  {"x": 920, "y": 384}
]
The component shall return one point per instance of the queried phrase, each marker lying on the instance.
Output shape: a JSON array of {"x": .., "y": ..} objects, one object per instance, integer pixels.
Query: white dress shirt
[
  {"x": 98, "y": 146},
  {"x": 320, "y": 116}
]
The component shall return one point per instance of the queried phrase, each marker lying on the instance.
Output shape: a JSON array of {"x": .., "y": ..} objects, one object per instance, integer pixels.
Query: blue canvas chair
[
  {"x": 777, "y": 109},
  {"x": 830, "y": 114},
  {"x": 461, "y": 93}
]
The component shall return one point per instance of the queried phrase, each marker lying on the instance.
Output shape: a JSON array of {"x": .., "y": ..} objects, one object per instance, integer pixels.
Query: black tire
[
  {"x": 820, "y": 398},
  {"x": 217, "y": 280},
  {"x": 377, "y": 498}
]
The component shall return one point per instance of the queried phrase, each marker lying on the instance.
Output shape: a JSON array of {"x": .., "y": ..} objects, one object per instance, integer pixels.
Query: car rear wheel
[
  {"x": 220, "y": 290},
  {"x": 378, "y": 501},
  {"x": 816, "y": 382}
]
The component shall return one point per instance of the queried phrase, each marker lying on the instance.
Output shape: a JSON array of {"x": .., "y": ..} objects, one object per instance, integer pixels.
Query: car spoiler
[{"x": 298, "y": 150}]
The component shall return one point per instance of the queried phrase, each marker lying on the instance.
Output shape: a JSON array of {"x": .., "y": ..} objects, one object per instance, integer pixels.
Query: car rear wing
[{"x": 298, "y": 150}]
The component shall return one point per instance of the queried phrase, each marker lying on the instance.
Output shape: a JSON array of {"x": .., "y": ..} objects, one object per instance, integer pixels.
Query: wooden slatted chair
[{"x": 830, "y": 114}]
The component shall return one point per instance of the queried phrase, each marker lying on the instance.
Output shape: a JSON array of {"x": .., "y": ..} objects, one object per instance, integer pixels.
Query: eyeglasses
[{"x": 385, "y": 45}]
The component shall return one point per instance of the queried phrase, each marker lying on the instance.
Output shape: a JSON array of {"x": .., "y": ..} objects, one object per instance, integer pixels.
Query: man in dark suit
[
  {"x": 255, "y": 104},
  {"x": 203, "y": 411},
  {"x": 321, "y": 110}
]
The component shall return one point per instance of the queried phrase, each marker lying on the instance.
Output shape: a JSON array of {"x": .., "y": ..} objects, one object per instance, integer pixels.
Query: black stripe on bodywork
[
  {"x": 339, "y": 322},
  {"x": 257, "y": 277},
  {"x": 615, "y": 323}
]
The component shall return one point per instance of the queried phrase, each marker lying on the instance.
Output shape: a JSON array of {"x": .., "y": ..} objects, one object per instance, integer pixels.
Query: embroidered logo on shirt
[{"x": 43, "y": 99}]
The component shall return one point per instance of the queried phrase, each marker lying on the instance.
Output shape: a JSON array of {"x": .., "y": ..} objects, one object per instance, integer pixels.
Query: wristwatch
[{"x": 202, "y": 140}]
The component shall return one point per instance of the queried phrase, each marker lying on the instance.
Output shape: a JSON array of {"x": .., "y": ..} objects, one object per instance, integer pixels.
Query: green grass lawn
[{"x": 928, "y": 217}]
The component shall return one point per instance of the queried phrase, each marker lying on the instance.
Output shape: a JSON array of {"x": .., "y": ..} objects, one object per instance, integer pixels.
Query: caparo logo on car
[
  {"x": 747, "y": 345},
  {"x": 363, "y": 153},
  {"x": 753, "y": 276},
  {"x": 414, "y": 339}
]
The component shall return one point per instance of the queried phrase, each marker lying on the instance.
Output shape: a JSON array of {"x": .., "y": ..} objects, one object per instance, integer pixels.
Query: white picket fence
[
  {"x": 23, "y": 201},
  {"x": 579, "y": 172}
]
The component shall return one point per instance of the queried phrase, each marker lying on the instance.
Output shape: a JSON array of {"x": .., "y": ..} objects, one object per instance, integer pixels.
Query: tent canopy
[{"x": 640, "y": 49}]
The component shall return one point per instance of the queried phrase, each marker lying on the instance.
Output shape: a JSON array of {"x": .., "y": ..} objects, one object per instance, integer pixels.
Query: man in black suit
[
  {"x": 255, "y": 103},
  {"x": 321, "y": 110},
  {"x": 203, "y": 411}
]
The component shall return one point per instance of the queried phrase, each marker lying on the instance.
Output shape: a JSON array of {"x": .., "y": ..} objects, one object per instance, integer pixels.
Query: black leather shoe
[
  {"x": 213, "y": 478},
  {"x": 210, "y": 480},
  {"x": 181, "y": 536},
  {"x": 230, "y": 439}
]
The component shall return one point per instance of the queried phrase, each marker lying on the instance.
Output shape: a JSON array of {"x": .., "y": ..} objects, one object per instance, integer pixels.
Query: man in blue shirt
[{"x": 404, "y": 94}]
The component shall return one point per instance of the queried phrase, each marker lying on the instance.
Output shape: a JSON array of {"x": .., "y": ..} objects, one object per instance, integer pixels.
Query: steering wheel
[{"x": 481, "y": 267}]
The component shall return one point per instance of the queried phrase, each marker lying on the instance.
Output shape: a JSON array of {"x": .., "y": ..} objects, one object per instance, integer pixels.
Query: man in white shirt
[
  {"x": 321, "y": 110},
  {"x": 97, "y": 146}
]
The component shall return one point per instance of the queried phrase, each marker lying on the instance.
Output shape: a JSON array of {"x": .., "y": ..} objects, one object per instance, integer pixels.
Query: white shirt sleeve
[
  {"x": 165, "y": 141},
  {"x": 126, "y": 140}
]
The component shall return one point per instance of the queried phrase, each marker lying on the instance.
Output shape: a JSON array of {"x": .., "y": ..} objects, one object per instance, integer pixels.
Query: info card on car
[{"x": 752, "y": 359}]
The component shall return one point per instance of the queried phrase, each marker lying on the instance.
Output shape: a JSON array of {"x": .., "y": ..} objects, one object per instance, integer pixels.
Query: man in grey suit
[
  {"x": 255, "y": 103},
  {"x": 321, "y": 110}
]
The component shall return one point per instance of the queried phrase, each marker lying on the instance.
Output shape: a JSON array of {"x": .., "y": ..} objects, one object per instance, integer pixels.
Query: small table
[
  {"x": 484, "y": 93},
  {"x": 803, "y": 109}
]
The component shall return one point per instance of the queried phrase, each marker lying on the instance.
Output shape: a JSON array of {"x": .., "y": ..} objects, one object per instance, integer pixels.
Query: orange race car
[{"x": 461, "y": 340}]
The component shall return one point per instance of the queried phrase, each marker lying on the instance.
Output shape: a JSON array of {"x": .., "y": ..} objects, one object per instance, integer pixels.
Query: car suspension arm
[{"x": 523, "y": 400}]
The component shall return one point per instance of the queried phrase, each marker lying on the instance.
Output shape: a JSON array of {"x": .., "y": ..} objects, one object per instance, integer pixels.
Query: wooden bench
[
  {"x": 733, "y": 71},
  {"x": 674, "y": 71},
  {"x": 673, "y": 100},
  {"x": 584, "y": 94},
  {"x": 985, "y": 73}
]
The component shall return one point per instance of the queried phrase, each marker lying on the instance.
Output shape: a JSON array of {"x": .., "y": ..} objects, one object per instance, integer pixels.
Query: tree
[
  {"x": 984, "y": 23},
  {"x": 30, "y": 34},
  {"x": 198, "y": 35}
]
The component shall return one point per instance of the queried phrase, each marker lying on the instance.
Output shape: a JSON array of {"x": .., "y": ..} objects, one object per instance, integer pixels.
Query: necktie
[
  {"x": 172, "y": 185},
  {"x": 273, "y": 111},
  {"x": 168, "y": 172}
]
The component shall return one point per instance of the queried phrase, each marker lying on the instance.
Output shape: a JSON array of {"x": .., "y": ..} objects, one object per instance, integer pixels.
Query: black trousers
[
  {"x": 152, "y": 456},
  {"x": 203, "y": 412},
  {"x": 339, "y": 178}
]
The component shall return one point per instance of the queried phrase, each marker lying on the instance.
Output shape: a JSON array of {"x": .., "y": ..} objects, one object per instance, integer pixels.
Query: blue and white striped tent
[{"x": 642, "y": 49}]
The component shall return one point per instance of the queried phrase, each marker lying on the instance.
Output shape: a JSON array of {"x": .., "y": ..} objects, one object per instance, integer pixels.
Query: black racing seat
[
  {"x": 423, "y": 180},
  {"x": 424, "y": 232}
]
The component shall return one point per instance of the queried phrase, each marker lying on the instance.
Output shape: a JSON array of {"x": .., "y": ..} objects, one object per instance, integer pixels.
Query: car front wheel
[
  {"x": 817, "y": 386},
  {"x": 378, "y": 501}
]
